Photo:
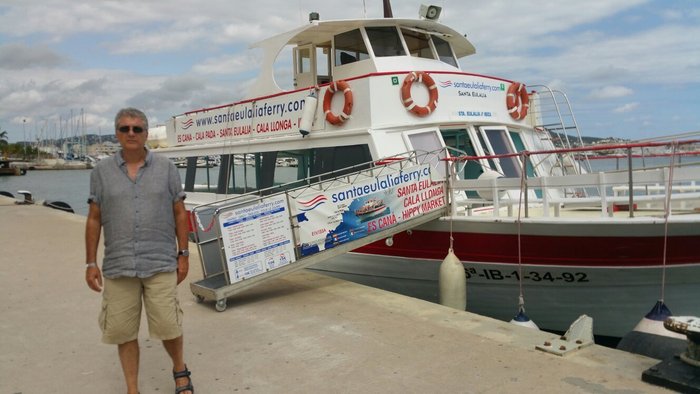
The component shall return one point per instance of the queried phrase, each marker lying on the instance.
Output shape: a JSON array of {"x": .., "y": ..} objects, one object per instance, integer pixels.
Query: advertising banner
[
  {"x": 257, "y": 238},
  {"x": 353, "y": 211},
  {"x": 240, "y": 121}
]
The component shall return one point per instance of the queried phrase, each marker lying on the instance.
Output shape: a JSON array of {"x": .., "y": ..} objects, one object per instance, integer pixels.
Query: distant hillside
[{"x": 587, "y": 140}]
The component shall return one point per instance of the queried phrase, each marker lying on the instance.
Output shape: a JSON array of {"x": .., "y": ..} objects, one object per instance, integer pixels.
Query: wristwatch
[{"x": 183, "y": 252}]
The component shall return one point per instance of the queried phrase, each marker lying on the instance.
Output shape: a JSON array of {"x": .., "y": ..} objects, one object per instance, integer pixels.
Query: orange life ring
[
  {"x": 337, "y": 86},
  {"x": 517, "y": 101},
  {"x": 407, "y": 100}
]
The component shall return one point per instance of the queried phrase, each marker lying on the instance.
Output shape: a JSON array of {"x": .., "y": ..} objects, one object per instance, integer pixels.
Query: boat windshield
[
  {"x": 385, "y": 41},
  {"x": 418, "y": 43},
  {"x": 350, "y": 47},
  {"x": 444, "y": 51}
]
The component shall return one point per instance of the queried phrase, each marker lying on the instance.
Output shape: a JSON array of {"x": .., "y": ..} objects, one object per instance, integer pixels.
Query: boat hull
[
  {"x": 614, "y": 277},
  {"x": 492, "y": 289}
]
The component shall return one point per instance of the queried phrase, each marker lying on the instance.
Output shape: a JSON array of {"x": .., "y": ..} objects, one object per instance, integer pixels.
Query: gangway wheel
[
  {"x": 220, "y": 305},
  {"x": 199, "y": 298}
]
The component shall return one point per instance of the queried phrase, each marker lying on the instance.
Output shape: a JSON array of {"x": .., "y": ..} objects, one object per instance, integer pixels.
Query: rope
[
  {"x": 199, "y": 223},
  {"x": 667, "y": 212},
  {"x": 521, "y": 297},
  {"x": 451, "y": 216}
]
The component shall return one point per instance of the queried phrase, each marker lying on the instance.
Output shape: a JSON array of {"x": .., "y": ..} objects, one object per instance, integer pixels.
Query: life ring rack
[
  {"x": 424, "y": 78},
  {"x": 517, "y": 100},
  {"x": 338, "y": 86}
]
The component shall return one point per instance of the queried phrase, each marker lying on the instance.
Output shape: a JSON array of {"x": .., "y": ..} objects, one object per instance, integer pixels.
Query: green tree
[{"x": 3, "y": 143}]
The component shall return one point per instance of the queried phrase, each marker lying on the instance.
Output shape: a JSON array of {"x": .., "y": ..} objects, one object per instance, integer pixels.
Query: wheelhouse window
[
  {"x": 243, "y": 173},
  {"x": 350, "y": 47},
  {"x": 428, "y": 146},
  {"x": 304, "y": 60},
  {"x": 520, "y": 146},
  {"x": 459, "y": 139},
  {"x": 500, "y": 145},
  {"x": 503, "y": 141},
  {"x": 418, "y": 44},
  {"x": 323, "y": 63},
  {"x": 385, "y": 41},
  {"x": 337, "y": 159},
  {"x": 444, "y": 51}
]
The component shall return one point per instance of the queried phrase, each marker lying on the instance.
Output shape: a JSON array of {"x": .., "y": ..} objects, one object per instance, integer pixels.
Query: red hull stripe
[{"x": 550, "y": 250}]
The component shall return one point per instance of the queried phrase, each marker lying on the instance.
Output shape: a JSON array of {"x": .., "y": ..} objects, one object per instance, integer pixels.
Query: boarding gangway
[{"x": 251, "y": 238}]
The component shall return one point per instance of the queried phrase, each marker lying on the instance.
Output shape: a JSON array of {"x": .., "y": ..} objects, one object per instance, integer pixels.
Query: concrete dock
[{"x": 303, "y": 333}]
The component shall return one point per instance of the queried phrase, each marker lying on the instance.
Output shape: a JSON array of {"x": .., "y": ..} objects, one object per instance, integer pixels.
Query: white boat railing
[
  {"x": 551, "y": 111},
  {"x": 607, "y": 191}
]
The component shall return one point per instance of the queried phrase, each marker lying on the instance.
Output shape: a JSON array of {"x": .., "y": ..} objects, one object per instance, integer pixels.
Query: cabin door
[{"x": 304, "y": 66}]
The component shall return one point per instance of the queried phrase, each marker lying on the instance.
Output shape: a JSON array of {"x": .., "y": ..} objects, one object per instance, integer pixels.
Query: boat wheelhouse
[{"x": 375, "y": 59}]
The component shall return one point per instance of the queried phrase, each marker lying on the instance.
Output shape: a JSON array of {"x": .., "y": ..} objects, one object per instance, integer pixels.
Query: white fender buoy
[
  {"x": 650, "y": 338},
  {"x": 453, "y": 282},
  {"x": 487, "y": 194},
  {"x": 521, "y": 319},
  {"x": 653, "y": 322},
  {"x": 308, "y": 114}
]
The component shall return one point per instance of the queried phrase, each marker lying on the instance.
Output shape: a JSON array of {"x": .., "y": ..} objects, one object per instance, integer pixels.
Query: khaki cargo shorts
[{"x": 120, "y": 316}]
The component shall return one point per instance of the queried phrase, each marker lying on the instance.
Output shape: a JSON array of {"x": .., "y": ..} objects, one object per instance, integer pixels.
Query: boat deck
[{"x": 300, "y": 333}]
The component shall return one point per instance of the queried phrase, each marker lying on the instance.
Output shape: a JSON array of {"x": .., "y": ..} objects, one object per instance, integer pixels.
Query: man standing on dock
[{"x": 137, "y": 197}]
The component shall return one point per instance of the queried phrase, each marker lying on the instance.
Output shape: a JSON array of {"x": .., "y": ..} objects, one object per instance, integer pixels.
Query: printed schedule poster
[{"x": 257, "y": 238}]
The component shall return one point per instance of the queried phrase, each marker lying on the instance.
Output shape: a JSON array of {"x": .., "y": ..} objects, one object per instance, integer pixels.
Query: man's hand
[
  {"x": 93, "y": 277},
  {"x": 183, "y": 267}
]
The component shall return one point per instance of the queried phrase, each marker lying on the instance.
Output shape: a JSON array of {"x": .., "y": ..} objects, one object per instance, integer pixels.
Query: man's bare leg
[
  {"x": 129, "y": 357},
  {"x": 174, "y": 347}
]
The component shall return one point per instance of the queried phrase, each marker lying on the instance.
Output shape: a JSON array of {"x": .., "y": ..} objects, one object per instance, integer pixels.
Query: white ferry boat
[{"x": 527, "y": 216}]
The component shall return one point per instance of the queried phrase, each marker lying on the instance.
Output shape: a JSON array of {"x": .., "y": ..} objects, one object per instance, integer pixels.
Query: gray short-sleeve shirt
[{"x": 137, "y": 216}]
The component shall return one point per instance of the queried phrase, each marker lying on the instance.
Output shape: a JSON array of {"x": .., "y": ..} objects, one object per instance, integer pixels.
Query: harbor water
[{"x": 69, "y": 186}]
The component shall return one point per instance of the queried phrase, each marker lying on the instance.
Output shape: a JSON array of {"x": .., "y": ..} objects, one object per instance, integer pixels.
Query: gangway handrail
[{"x": 373, "y": 164}]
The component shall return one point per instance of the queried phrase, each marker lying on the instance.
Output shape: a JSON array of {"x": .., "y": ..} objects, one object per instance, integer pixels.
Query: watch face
[{"x": 184, "y": 253}]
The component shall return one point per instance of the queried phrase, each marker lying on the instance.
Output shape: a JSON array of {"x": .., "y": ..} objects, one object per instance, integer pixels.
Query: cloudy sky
[{"x": 631, "y": 68}]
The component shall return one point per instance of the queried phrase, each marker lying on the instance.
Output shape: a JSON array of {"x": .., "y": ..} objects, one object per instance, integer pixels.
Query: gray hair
[{"x": 131, "y": 113}]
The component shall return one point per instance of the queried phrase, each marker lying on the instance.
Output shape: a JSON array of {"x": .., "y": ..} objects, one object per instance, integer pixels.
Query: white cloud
[
  {"x": 629, "y": 107},
  {"x": 17, "y": 56},
  {"x": 234, "y": 64},
  {"x": 608, "y": 92}
]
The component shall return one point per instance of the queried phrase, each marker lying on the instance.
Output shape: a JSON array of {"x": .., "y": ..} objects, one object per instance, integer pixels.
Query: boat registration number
[{"x": 534, "y": 276}]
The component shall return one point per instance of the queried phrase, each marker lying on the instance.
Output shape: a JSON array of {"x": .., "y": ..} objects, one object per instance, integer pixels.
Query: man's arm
[
  {"x": 93, "y": 227},
  {"x": 182, "y": 233}
]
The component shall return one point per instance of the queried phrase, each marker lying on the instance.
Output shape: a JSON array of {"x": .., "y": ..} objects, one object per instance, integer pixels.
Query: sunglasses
[{"x": 136, "y": 129}]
